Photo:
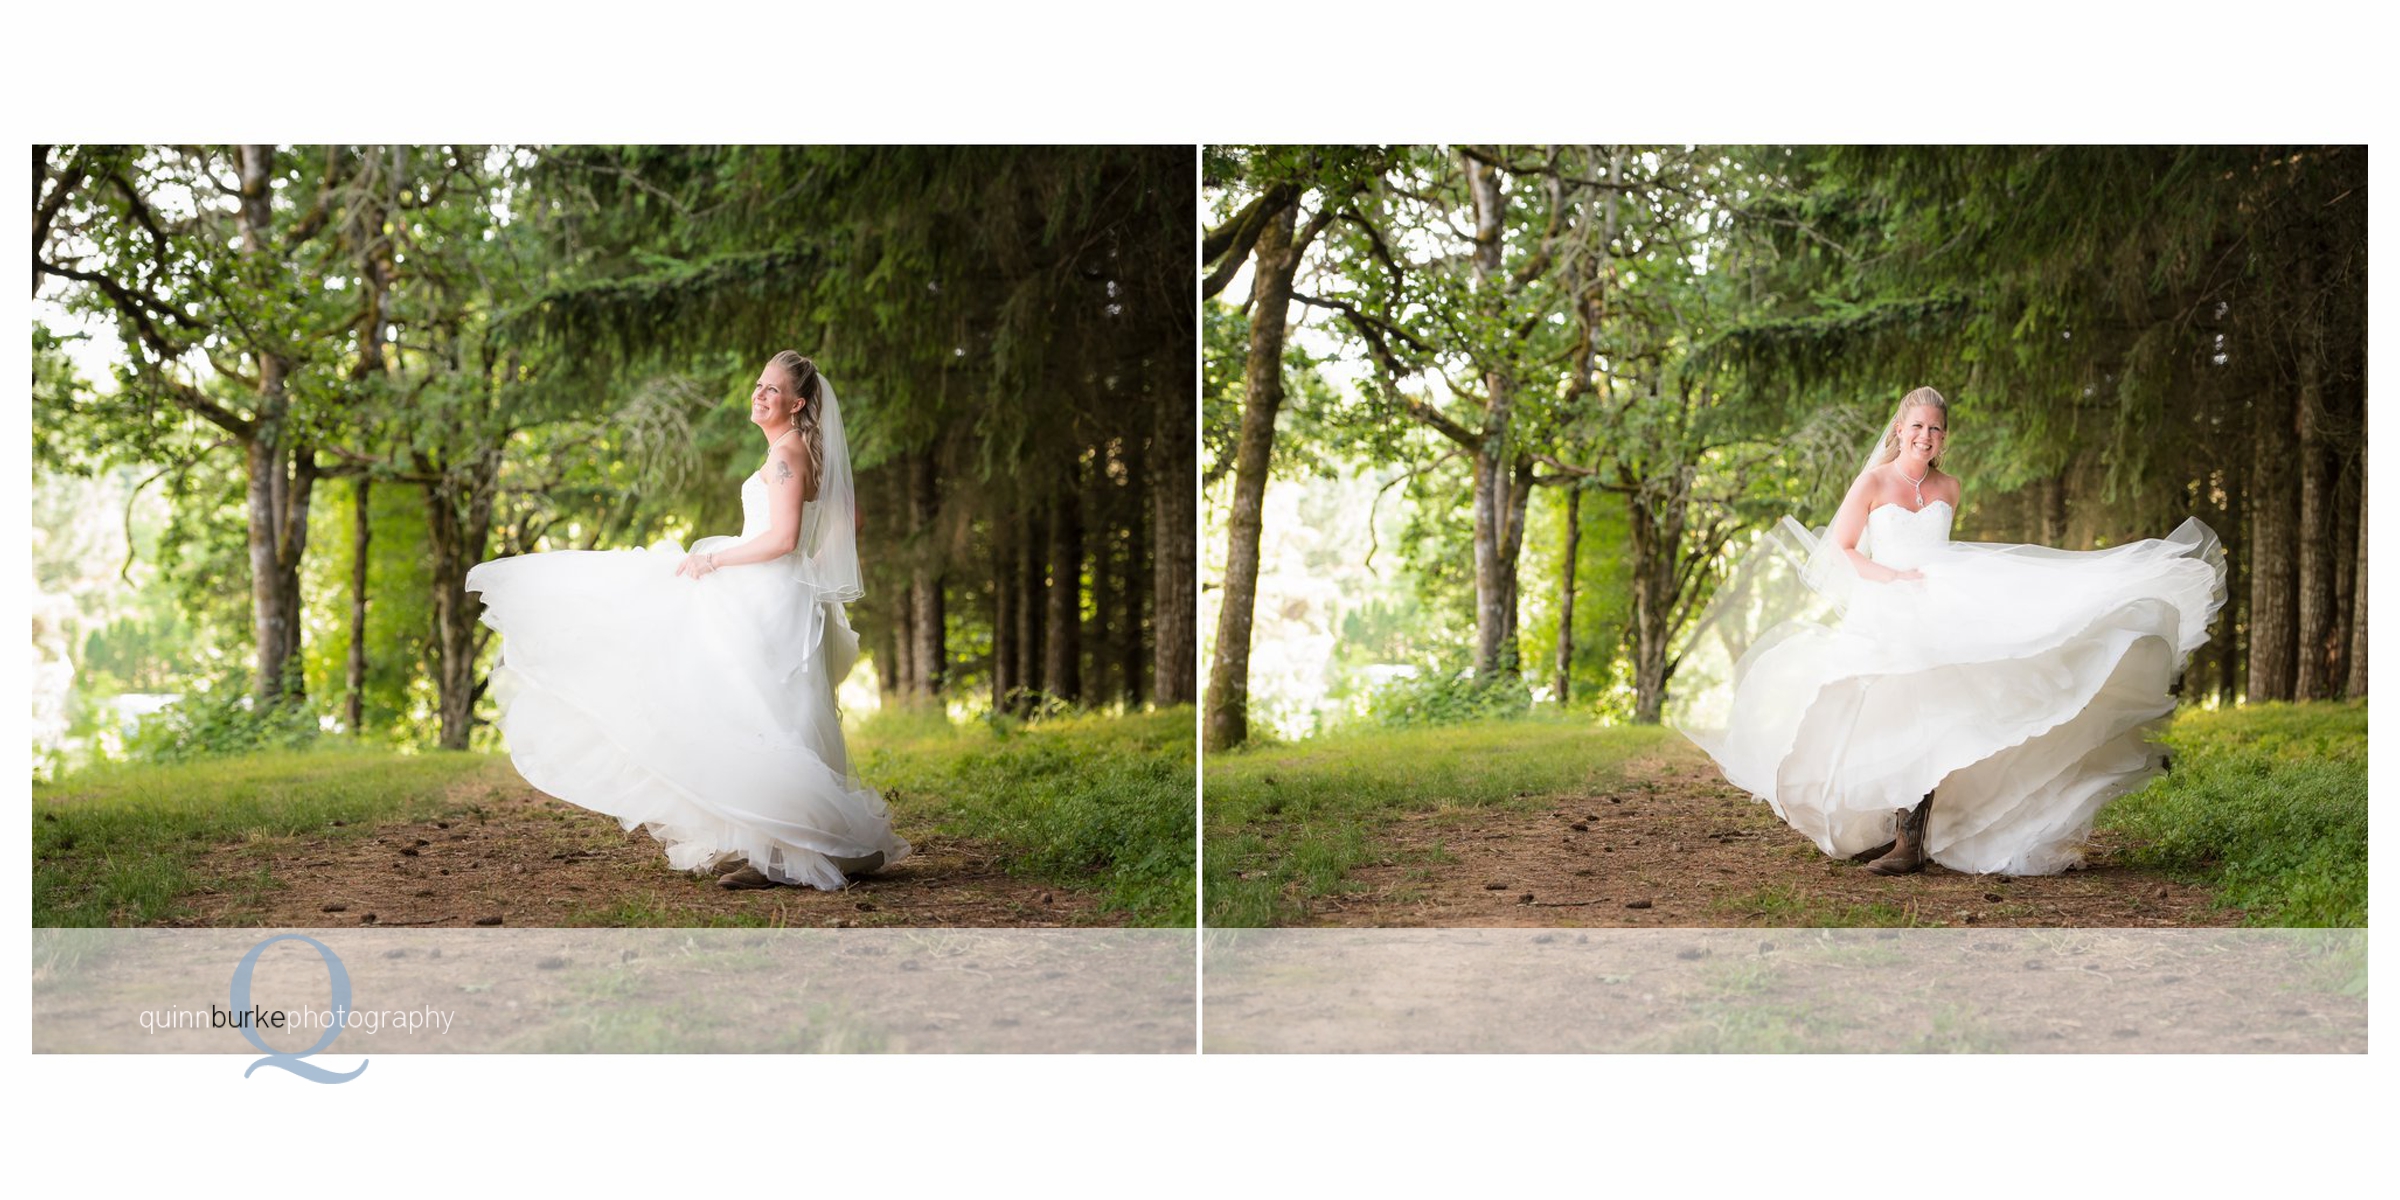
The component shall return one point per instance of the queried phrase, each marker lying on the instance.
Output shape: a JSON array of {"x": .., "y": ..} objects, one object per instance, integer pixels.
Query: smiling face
[
  {"x": 773, "y": 398},
  {"x": 1922, "y": 430}
]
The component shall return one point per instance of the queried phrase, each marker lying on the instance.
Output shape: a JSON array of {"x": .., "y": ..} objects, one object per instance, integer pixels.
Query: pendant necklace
[{"x": 1918, "y": 483}]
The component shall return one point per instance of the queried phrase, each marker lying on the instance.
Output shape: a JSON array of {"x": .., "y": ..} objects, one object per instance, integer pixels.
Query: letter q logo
[{"x": 287, "y": 1060}]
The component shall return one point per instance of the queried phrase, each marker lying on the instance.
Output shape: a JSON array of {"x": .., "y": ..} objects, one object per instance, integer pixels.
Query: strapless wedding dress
[
  {"x": 2018, "y": 684},
  {"x": 700, "y": 710}
]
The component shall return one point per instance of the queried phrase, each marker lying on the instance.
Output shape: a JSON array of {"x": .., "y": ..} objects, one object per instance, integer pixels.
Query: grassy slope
[
  {"x": 114, "y": 845},
  {"x": 2266, "y": 804},
  {"x": 1090, "y": 801},
  {"x": 1290, "y": 820},
  {"x": 1080, "y": 802}
]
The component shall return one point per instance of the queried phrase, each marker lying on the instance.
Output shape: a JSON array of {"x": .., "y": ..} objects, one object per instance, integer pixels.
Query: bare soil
[
  {"x": 683, "y": 991},
  {"x": 519, "y": 858},
  {"x": 1680, "y": 847},
  {"x": 2048, "y": 991}
]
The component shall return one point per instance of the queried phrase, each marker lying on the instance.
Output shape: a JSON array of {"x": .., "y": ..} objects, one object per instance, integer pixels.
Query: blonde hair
[
  {"x": 806, "y": 413},
  {"x": 1923, "y": 397}
]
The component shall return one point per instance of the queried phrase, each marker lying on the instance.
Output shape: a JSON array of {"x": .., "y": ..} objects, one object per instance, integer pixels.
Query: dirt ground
[
  {"x": 686, "y": 991},
  {"x": 519, "y": 858},
  {"x": 2045, "y": 991},
  {"x": 1681, "y": 847}
]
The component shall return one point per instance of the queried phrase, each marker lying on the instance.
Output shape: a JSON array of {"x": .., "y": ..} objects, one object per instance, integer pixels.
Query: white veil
[
  {"x": 1788, "y": 579},
  {"x": 827, "y": 558}
]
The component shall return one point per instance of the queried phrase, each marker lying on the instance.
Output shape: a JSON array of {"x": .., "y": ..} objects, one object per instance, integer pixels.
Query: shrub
[
  {"x": 1447, "y": 697},
  {"x": 224, "y": 720}
]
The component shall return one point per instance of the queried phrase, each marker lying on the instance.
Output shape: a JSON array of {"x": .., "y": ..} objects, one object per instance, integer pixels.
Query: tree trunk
[
  {"x": 1062, "y": 673},
  {"x": 458, "y": 518},
  {"x": 1494, "y": 474},
  {"x": 280, "y": 481},
  {"x": 354, "y": 709},
  {"x": 282, "y": 471},
  {"x": 375, "y": 266},
  {"x": 1004, "y": 615},
  {"x": 1512, "y": 554},
  {"x": 1277, "y": 260},
  {"x": 2274, "y": 576},
  {"x": 1566, "y": 597},
  {"x": 1173, "y": 550},
  {"x": 929, "y": 651},
  {"x": 904, "y": 648},
  {"x": 2315, "y": 677},
  {"x": 2233, "y": 621},
  {"x": 2344, "y": 552},
  {"x": 1031, "y": 589},
  {"x": 1500, "y": 494},
  {"x": 2053, "y": 499},
  {"x": 1100, "y": 546},
  {"x": 1132, "y": 653},
  {"x": 886, "y": 652},
  {"x": 1657, "y": 521},
  {"x": 2356, "y": 686}
]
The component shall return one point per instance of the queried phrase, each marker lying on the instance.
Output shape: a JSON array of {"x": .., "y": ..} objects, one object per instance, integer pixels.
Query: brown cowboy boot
[
  {"x": 745, "y": 878},
  {"x": 855, "y": 867},
  {"x": 1908, "y": 841}
]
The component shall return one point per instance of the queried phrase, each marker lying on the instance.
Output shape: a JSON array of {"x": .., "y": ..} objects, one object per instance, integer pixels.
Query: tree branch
[
  {"x": 1361, "y": 321},
  {"x": 1564, "y": 468},
  {"x": 1431, "y": 416},
  {"x": 314, "y": 219},
  {"x": 1374, "y": 538},
  {"x": 138, "y": 306},
  {"x": 46, "y": 208},
  {"x": 1228, "y": 245}
]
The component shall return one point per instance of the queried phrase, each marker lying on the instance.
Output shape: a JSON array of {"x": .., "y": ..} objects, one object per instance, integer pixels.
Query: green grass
[
  {"x": 1288, "y": 822},
  {"x": 115, "y": 845},
  {"x": 2265, "y": 804},
  {"x": 1085, "y": 802}
]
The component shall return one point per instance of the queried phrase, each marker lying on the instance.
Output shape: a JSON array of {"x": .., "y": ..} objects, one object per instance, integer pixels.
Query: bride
[
  {"x": 1970, "y": 704},
  {"x": 692, "y": 694}
]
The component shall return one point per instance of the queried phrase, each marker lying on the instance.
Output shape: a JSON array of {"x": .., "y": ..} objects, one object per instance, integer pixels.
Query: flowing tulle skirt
[
  {"x": 2019, "y": 685},
  {"x": 701, "y": 710}
]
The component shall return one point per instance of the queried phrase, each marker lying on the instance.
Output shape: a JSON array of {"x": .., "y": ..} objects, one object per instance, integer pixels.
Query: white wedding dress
[
  {"x": 701, "y": 710},
  {"x": 2018, "y": 684}
]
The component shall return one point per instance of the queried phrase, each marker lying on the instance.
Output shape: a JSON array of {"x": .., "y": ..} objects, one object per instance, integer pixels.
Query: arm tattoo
[{"x": 783, "y": 471}]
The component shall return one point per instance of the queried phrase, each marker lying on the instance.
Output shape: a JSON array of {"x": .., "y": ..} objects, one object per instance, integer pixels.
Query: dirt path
[
  {"x": 518, "y": 858},
  {"x": 1683, "y": 848},
  {"x": 1847, "y": 991}
]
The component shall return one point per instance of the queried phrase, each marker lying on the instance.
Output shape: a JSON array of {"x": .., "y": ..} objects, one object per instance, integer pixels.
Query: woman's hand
[
  {"x": 696, "y": 564},
  {"x": 1911, "y": 575}
]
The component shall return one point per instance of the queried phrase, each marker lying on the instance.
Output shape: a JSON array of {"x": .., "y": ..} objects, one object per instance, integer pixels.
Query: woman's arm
[
  {"x": 1850, "y": 523},
  {"x": 787, "y": 486}
]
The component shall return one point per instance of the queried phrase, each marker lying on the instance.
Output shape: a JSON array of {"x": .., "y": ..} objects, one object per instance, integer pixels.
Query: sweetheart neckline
[{"x": 1910, "y": 511}]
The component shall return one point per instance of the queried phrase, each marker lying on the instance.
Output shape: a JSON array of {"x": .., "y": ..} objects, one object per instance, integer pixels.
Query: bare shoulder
[
  {"x": 1867, "y": 489},
  {"x": 1944, "y": 487},
  {"x": 787, "y": 463}
]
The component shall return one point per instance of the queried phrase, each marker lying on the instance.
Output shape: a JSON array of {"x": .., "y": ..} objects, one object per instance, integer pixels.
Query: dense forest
[
  {"x": 343, "y": 375},
  {"x": 1633, "y": 358}
]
